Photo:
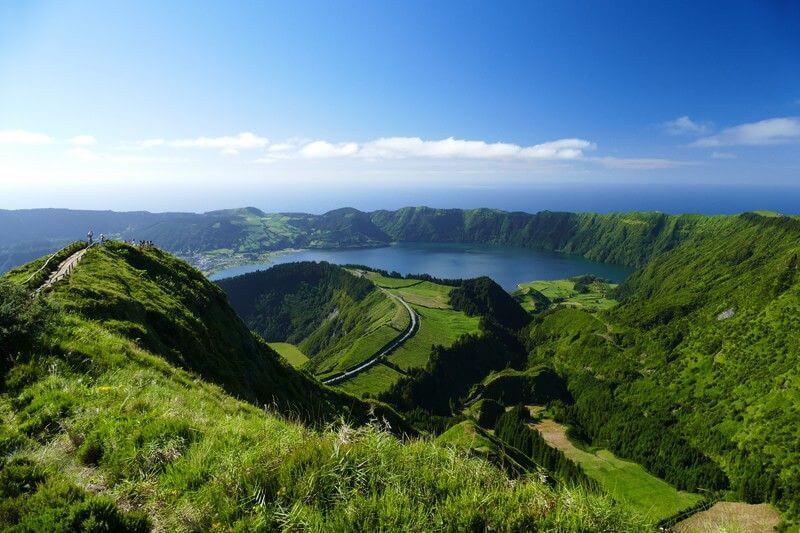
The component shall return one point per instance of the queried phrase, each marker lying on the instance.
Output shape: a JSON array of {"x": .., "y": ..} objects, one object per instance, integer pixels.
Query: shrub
[{"x": 22, "y": 320}]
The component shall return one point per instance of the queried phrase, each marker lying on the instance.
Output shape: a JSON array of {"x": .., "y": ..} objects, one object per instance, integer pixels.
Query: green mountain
[
  {"x": 219, "y": 238},
  {"x": 134, "y": 398},
  {"x": 336, "y": 318},
  {"x": 695, "y": 373},
  {"x": 624, "y": 238}
]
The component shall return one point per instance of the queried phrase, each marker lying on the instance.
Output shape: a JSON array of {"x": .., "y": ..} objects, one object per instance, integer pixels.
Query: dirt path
[
  {"x": 64, "y": 269},
  {"x": 412, "y": 328},
  {"x": 732, "y": 516}
]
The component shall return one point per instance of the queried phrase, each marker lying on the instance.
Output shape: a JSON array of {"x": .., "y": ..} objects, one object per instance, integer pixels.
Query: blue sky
[{"x": 194, "y": 105}]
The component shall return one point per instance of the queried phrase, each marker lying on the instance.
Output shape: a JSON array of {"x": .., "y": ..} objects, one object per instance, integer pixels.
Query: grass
[
  {"x": 290, "y": 353},
  {"x": 424, "y": 293},
  {"x": 562, "y": 292},
  {"x": 436, "y": 326},
  {"x": 96, "y": 410},
  {"x": 380, "y": 320},
  {"x": 439, "y": 323},
  {"x": 467, "y": 435},
  {"x": 625, "y": 481},
  {"x": 373, "y": 381},
  {"x": 732, "y": 516}
]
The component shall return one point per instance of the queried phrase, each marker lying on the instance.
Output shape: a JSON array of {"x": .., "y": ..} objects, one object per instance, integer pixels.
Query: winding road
[{"x": 412, "y": 328}]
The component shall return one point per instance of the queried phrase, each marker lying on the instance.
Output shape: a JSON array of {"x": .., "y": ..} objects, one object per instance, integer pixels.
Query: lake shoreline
[{"x": 508, "y": 265}]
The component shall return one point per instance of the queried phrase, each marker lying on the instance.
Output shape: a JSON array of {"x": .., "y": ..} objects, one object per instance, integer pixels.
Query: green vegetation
[
  {"x": 624, "y": 480},
  {"x": 102, "y": 429},
  {"x": 695, "y": 372},
  {"x": 484, "y": 297},
  {"x": 585, "y": 292},
  {"x": 371, "y": 382},
  {"x": 290, "y": 353},
  {"x": 438, "y": 325},
  {"x": 467, "y": 435},
  {"x": 414, "y": 291},
  {"x": 512, "y": 428},
  {"x": 624, "y": 238},
  {"x": 338, "y": 319},
  {"x": 35, "y": 273},
  {"x": 537, "y": 385},
  {"x": 450, "y": 372},
  {"x": 173, "y": 311},
  {"x": 441, "y": 327}
]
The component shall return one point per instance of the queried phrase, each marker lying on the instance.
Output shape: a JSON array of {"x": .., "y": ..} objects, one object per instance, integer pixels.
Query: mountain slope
[
  {"x": 101, "y": 432},
  {"x": 624, "y": 238},
  {"x": 336, "y": 318},
  {"x": 172, "y": 310},
  {"x": 697, "y": 368}
]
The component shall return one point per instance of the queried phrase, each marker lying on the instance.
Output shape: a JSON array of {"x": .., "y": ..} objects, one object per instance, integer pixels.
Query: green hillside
[
  {"x": 336, "y": 318},
  {"x": 695, "y": 372},
  {"x": 624, "y": 238},
  {"x": 111, "y": 423}
]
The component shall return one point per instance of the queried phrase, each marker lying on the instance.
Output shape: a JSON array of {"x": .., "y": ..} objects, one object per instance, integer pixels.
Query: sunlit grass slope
[
  {"x": 171, "y": 310},
  {"x": 626, "y": 481},
  {"x": 290, "y": 353},
  {"x": 100, "y": 421},
  {"x": 584, "y": 292},
  {"x": 334, "y": 317},
  {"x": 439, "y": 324}
]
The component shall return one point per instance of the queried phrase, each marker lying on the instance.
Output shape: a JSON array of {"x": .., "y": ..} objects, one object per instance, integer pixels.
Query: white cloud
[
  {"x": 685, "y": 126},
  {"x": 281, "y": 147},
  {"x": 83, "y": 140},
  {"x": 414, "y": 147},
  {"x": 561, "y": 149},
  {"x": 771, "y": 131},
  {"x": 324, "y": 150},
  {"x": 84, "y": 153},
  {"x": 632, "y": 163},
  {"x": 723, "y": 155},
  {"x": 151, "y": 143},
  {"x": 226, "y": 144},
  {"x": 404, "y": 147},
  {"x": 417, "y": 148},
  {"x": 23, "y": 137}
]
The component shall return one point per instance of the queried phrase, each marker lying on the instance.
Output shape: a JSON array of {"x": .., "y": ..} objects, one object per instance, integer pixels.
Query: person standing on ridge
[{"x": 89, "y": 236}]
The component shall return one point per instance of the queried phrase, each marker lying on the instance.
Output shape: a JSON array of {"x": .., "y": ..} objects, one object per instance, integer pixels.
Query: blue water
[{"x": 508, "y": 266}]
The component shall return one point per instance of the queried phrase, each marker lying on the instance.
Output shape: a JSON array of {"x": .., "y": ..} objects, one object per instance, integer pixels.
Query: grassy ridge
[
  {"x": 624, "y": 480},
  {"x": 439, "y": 324}
]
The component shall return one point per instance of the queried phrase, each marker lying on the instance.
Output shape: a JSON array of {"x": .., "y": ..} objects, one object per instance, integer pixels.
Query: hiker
[
  {"x": 89, "y": 237},
  {"x": 102, "y": 238}
]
